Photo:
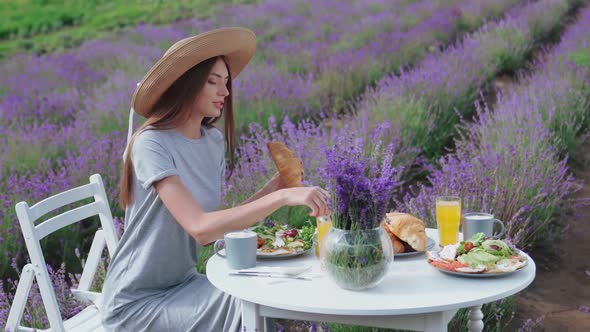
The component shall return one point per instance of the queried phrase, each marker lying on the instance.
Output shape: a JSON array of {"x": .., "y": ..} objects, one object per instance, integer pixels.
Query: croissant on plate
[
  {"x": 289, "y": 166},
  {"x": 398, "y": 245},
  {"x": 407, "y": 228}
]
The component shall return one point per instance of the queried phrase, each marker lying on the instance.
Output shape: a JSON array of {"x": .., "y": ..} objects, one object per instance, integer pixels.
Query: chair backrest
[{"x": 34, "y": 233}]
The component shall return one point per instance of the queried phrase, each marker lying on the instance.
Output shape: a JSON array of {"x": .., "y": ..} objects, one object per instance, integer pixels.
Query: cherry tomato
[
  {"x": 260, "y": 242},
  {"x": 468, "y": 246}
]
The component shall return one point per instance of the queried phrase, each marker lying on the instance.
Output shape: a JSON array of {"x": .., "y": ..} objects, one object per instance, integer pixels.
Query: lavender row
[
  {"x": 56, "y": 77},
  {"x": 331, "y": 60},
  {"x": 77, "y": 92},
  {"x": 262, "y": 90},
  {"x": 510, "y": 160},
  {"x": 427, "y": 102}
]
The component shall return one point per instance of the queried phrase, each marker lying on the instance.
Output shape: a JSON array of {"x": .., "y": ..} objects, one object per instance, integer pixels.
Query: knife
[{"x": 266, "y": 275}]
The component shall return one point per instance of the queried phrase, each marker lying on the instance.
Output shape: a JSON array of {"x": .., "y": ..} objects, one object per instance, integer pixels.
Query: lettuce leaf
[
  {"x": 477, "y": 239},
  {"x": 497, "y": 248},
  {"x": 478, "y": 256}
]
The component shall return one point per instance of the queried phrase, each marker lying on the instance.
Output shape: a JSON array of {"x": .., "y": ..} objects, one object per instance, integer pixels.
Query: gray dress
[{"x": 152, "y": 283}]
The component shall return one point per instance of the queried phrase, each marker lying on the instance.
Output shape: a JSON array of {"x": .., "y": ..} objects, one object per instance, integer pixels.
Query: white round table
[{"x": 413, "y": 295}]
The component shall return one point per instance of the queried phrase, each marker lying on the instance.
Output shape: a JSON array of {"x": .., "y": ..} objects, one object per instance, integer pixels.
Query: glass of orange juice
[
  {"x": 323, "y": 224},
  {"x": 448, "y": 218}
]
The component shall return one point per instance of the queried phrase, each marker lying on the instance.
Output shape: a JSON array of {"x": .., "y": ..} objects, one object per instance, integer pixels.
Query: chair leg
[
  {"x": 49, "y": 300},
  {"x": 20, "y": 298}
]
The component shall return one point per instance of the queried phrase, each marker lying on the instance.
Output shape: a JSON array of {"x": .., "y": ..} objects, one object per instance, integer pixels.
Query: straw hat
[{"x": 237, "y": 45}]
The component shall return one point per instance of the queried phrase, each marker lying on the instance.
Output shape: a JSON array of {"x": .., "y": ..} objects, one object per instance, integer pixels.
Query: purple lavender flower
[
  {"x": 531, "y": 324},
  {"x": 360, "y": 176}
]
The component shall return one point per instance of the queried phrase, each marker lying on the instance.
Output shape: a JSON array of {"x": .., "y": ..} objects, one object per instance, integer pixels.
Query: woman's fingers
[
  {"x": 315, "y": 209},
  {"x": 315, "y": 198},
  {"x": 324, "y": 194},
  {"x": 323, "y": 208}
]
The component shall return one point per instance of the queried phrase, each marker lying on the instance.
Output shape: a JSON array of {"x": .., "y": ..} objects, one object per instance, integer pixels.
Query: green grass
[
  {"x": 580, "y": 58},
  {"x": 43, "y": 26}
]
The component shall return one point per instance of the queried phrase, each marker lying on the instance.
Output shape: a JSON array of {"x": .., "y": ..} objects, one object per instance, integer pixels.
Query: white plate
[
  {"x": 281, "y": 255},
  {"x": 477, "y": 275},
  {"x": 482, "y": 275},
  {"x": 429, "y": 245},
  {"x": 272, "y": 255}
]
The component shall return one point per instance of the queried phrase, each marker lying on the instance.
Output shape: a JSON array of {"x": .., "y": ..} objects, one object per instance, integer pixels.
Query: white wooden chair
[{"x": 89, "y": 318}]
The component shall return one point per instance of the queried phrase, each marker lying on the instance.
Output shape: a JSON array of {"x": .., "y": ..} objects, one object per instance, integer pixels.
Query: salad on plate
[
  {"x": 276, "y": 239},
  {"x": 478, "y": 255}
]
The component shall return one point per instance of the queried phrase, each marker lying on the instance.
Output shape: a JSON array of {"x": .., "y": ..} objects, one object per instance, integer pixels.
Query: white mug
[
  {"x": 479, "y": 222},
  {"x": 240, "y": 249}
]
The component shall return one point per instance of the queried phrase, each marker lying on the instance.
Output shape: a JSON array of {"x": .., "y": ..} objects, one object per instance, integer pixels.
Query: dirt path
[{"x": 559, "y": 291}]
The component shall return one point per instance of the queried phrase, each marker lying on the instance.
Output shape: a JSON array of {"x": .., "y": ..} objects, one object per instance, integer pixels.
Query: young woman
[{"x": 171, "y": 188}]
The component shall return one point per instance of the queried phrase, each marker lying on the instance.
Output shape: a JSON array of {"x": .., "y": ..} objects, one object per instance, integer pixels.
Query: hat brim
[{"x": 236, "y": 45}]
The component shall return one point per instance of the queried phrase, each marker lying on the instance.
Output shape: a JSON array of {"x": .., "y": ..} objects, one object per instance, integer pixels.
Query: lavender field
[{"x": 413, "y": 76}]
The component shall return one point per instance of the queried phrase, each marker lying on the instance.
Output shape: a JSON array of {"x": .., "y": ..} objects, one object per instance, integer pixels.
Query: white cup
[{"x": 240, "y": 249}]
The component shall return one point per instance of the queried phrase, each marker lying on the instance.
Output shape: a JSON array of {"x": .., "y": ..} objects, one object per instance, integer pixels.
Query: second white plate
[{"x": 429, "y": 245}]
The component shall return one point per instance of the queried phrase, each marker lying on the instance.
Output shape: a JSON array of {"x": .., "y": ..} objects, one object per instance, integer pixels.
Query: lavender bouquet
[
  {"x": 360, "y": 175},
  {"x": 356, "y": 251}
]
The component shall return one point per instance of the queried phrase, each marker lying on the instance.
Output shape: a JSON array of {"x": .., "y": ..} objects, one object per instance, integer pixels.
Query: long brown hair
[{"x": 174, "y": 107}]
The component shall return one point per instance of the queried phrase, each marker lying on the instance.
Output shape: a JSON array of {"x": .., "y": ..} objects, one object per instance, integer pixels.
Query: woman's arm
[{"x": 206, "y": 227}]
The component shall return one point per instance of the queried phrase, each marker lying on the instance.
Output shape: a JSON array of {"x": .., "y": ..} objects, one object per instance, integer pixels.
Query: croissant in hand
[{"x": 289, "y": 166}]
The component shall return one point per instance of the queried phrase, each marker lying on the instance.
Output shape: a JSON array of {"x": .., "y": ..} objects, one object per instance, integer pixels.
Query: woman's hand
[{"x": 315, "y": 198}]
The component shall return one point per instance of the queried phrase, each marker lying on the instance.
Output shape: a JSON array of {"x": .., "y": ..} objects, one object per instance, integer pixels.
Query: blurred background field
[
  {"x": 483, "y": 99},
  {"x": 40, "y": 26}
]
